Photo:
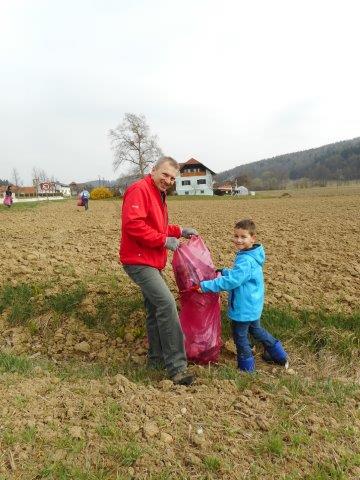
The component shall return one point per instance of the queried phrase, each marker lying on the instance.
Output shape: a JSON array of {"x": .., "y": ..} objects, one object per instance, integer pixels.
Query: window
[
  {"x": 202, "y": 191},
  {"x": 186, "y": 193},
  {"x": 185, "y": 182},
  {"x": 201, "y": 181}
]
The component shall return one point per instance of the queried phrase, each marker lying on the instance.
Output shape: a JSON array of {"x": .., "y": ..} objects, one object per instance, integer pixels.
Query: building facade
[{"x": 194, "y": 178}]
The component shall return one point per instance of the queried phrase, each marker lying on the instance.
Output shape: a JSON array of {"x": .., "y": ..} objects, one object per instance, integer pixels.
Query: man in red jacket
[{"x": 145, "y": 238}]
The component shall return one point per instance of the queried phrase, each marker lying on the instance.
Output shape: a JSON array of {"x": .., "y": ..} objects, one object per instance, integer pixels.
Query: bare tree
[
  {"x": 39, "y": 175},
  {"x": 16, "y": 177},
  {"x": 132, "y": 143}
]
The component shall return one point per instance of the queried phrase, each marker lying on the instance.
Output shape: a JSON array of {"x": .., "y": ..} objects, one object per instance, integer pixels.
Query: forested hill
[{"x": 337, "y": 161}]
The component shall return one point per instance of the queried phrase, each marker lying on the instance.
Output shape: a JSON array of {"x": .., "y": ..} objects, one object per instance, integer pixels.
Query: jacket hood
[{"x": 257, "y": 252}]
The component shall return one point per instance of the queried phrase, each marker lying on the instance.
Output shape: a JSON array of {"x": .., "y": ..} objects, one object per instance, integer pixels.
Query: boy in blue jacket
[{"x": 245, "y": 284}]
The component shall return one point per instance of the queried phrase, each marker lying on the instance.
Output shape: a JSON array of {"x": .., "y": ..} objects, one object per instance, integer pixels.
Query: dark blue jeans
[{"x": 241, "y": 331}]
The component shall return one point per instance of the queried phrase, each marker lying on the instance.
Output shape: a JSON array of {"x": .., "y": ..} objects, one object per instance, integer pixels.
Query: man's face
[{"x": 164, "y": 176}]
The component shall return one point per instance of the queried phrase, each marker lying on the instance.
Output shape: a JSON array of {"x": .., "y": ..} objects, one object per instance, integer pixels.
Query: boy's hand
[{"x": 195, "y": 288}]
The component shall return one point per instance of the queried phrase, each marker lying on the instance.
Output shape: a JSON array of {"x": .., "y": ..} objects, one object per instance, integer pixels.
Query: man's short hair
[
  {"x": 246, "y": 224},
  {"x": 170, "y": 160}
]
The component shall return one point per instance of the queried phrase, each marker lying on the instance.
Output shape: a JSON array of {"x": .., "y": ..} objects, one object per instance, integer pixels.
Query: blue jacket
[{"x": 245, "y": 284}]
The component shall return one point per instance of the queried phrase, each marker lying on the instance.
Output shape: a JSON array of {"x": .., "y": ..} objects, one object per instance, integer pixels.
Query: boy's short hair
[{"x": 247, "y": 224}]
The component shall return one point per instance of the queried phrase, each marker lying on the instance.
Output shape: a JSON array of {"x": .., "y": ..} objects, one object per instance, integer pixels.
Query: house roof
[
  {"x": 26, "y": 190},
  {"x": 193, "y": 161},
  {"x": 223, "y": 186}
]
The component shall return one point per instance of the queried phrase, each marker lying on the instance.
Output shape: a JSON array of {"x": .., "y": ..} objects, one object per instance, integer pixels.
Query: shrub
[{"x": 100, "y": 192}]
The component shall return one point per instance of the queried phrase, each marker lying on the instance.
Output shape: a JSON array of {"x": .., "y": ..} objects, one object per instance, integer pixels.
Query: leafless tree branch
[{"x": 132, "y": 143}]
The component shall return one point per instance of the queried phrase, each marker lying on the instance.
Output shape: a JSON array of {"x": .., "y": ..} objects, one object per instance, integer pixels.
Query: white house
[
  {"x": 63, "y": 189},
  {"x": 194, "y": 178}
]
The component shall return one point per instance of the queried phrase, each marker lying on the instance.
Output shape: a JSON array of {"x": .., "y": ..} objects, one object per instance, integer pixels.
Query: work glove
[
  {"x": 188, "y": 232},
  {"x": 172, "y": 243}
]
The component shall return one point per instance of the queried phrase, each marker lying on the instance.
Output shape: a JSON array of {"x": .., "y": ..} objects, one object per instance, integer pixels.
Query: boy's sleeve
[
  {"x": 234, "y": 278},
  {"x": 225, "y": 271}
]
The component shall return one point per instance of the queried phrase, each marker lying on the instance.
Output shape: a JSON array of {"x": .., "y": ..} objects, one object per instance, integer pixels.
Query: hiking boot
[{"x": 183, "y": 378}]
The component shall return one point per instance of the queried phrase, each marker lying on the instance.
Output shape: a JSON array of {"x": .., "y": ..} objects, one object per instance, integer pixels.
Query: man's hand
[
  {"x": 172, "y": 243},
  {"x": 188, "y": 232}
]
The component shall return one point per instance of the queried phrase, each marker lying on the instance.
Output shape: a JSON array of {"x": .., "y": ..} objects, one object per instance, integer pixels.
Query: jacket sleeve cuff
[{"x": 174, "y": 231}]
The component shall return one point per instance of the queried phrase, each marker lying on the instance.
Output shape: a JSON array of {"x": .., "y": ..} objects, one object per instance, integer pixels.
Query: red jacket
[{"x": 145, "y": 225}]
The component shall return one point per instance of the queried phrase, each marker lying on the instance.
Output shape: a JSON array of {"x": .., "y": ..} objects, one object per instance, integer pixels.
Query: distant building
[
  {"x": 194, "y": 178},
  {"x": 223, "y": 189},
  {"x": 64, "y": 190},
  {"x": 240, "y": 191},
  {"x": 19, "y": 192}
]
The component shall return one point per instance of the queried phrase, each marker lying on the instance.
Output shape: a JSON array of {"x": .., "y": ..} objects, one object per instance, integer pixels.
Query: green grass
[
  {"x": 73, "y": 370},
  {"x": 272, "y": 444},
  {"x": 338, "y": 333},
  {"x": 299, "y": 439},
  {"x": 126, "y": 454},
  {"x": 326, "y": 471},
  {"x": 28, "y": 435},
  {"x": 11, "y": 437},
  {"x": 67, "y": 301},
  {"x": 115, "y": 312},
  {"x": 212, "y": 464},
  {"x": 62, "y": 471},
  {"x": 14, "y": 363},
  {"x": 8, "y": 437},
  {"x": 18, "y": 300},
  {"x": 231, "y": 372},
  {"x": 19, "y": 206},
  {"x": 112, "y": 315},
  {"x": 327, "y": 391},
  {"x": 113, "y": 411},
  {"x": 70, "y": 444},
  {"x": 316, "y": 331},
  {"x": 141, "y": 374}
]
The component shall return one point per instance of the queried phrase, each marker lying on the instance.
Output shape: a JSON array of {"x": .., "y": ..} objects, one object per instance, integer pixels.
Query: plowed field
[
  {"x": 311, "y": 242},
  {"x": 76, "y": 400}
]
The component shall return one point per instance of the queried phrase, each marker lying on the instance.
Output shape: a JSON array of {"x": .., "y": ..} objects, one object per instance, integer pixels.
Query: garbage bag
[{"x": 200, "y": 315}]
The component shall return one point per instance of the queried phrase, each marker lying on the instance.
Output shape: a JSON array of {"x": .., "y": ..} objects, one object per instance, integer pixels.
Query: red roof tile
[{"x": 193, "y": 161}]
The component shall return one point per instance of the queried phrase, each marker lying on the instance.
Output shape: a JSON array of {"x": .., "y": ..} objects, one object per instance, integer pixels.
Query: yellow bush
[{"x": 100, "y": 192}]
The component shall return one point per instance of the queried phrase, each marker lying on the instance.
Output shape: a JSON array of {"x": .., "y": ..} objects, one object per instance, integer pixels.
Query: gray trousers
[{"x": 166, "y": 339}]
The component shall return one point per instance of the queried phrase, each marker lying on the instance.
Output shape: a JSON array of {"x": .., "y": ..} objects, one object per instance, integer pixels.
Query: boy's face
[{"x": 243, "y": 240}]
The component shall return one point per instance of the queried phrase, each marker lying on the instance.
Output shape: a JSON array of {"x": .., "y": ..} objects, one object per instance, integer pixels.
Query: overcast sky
[{"x": 227, "y": 82}]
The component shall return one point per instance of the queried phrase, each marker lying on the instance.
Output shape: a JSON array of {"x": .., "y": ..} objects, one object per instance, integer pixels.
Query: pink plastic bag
[{"x": 200, "y": 316}]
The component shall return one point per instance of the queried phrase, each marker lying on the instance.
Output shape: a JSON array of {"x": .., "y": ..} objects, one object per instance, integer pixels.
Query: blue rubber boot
[
  {"x": 247, "y": 364},
  {"x": 276, "y": 353}
]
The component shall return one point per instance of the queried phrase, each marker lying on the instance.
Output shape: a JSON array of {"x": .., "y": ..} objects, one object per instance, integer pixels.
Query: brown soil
[{"x": 278, "y": 424}]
